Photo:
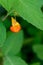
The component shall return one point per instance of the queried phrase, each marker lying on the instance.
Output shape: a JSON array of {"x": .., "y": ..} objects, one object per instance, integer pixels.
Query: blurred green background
[{"x": 32, "y": 48}]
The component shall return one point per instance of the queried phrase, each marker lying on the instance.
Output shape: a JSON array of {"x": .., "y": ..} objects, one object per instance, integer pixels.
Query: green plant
[{"x": 23, "y": 47}]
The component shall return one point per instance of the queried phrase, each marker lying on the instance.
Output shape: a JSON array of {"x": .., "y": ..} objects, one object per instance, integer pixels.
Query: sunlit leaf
[
  {"x": 2, "y": 34},
  {"x": 28, "y": 9},
  {"x": 13, "y": 43},
  {"x": 14, "y": 61},
  {"x": 38, "y": 49}
]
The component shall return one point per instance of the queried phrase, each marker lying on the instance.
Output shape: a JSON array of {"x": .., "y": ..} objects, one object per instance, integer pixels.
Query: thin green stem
[
  {"x": 7, "y": 15},
  {"x": 29, "y": 40}
]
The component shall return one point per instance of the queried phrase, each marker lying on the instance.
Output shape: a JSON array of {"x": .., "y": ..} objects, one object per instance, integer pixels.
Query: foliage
[{"x": 24, "y": 47}]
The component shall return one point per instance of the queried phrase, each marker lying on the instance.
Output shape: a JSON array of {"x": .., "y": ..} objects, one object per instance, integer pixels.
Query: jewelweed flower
[{"x": 16, "y": 27}]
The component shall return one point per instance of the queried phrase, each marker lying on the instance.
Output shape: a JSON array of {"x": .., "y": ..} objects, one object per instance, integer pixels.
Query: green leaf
[
  {"x": 38, "y": 49},
  {"x": 36, "y": 63},
  {"x": 13, "y": 43},
  {"x": 28, "y": 9},
  {"x": 2, "y": 34},
  {"x": 14, "y": 60}
]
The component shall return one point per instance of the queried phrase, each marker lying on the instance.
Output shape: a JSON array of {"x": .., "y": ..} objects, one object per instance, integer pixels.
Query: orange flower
[{"x": 16, "y": 27}]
